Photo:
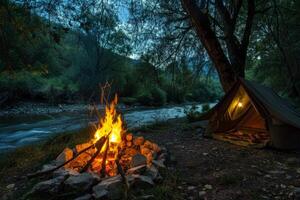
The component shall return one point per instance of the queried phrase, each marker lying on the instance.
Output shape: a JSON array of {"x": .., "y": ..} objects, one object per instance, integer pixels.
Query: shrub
[
  {"x": 128, "y": 100},
  {"x": 205, "y": 107},
  {"x": 159, "y": 96},
  {"x": 145, "y": 98}
]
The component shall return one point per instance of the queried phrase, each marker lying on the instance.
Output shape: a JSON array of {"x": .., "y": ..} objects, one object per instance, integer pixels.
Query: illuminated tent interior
[{"x": 251, "y": 114}]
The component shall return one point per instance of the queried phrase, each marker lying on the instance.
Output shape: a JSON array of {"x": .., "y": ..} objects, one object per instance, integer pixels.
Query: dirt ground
[{"x": 211, "y": 169}]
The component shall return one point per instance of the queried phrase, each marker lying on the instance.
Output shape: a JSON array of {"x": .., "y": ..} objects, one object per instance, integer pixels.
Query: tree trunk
[{"x": 209, "y": 40}]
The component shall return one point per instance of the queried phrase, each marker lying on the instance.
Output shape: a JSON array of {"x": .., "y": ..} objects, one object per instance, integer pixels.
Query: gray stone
[
  {"x": 112, "y": 188},
  {"x": 80, "y": 183},
  {"x": 10, "y": 186},
  {"x": 47, "y": 167},
  {"x": 137, "y": 170},
  {"x": 202, "y": 194},
  {"x": 140, "y": 181},
  {"x": 84, "y": 197},
  {"x": 65, "y": 172},
  {"x": 152, "y": 171},
  {"x": 149, "y": 197},
  {"x": 137, "y": 160},
  {"x": 276, "y": 172},
  {"x": 208, "y": 187},
  {"x": 51, "y": 186},
  {"x": 100, "y": 194},
  {"x": 159, "y": 163},
  {"x": 191, "y": 187}
]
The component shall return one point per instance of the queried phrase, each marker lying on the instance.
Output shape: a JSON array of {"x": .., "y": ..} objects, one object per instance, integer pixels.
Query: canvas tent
[{"x": 252, "y": 114}]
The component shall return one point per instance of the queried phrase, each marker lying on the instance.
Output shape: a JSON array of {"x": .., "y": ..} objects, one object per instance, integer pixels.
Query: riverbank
[
  {"x": 203, "y": 168},
  {"x": 20, "y": 130},
  {"x": 37, "y": 108}
]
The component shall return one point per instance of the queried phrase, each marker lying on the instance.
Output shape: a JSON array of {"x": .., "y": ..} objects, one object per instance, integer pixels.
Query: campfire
[
  {"x": 112, "y": 154},
  {"x": 111, "y": 146}
]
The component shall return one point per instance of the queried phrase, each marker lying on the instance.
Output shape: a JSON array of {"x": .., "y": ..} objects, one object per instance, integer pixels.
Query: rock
[
  {"x": 138, "y": 159},
  {"x": 268, "y": 176},
  {"x": 84, "y": 197},
  {"x": 138, "y": 141},
  {"x": 205, "y": 154},
  {"x": 131, "y": 151},
  {"x": 80, "y": 147},
  {"x": 151, "y": 197},
  {"x": 152, "y": 171},
  {"x": 100, "y": 194},
  {"x": 159, "y": 163},
  {"x": 140, "y": 181},
  {"x": 64, "y": 172},
  {"x": 137, "y": 170},
  {"x": 129, "y": 137},
  {"x": 148, "y": 144},
  {"x": 111, "y": 188},
  {"x": 149, "y": 157},
  {"x": 298, "y": 170},
  {"x": 10, "y": 186},
  {"x": 202, "y": 194},
  {"x": 47, "y": 167},
  {"x": 145, "y": 150},
  {"x": 282, "y": 186},
  {"x": 64, "y": 156},
  {"x": 48, "y": 187},
  {"x": 80, "y": 183},
  {"x": 162, "y": 156},
  {"x": 208, "y": 187},
  {"x": 191, "y": 187},
  {"x": 128, "y": 144},
  {"x": 276, "y": 172},
  {"x": 155, "y": 148}
]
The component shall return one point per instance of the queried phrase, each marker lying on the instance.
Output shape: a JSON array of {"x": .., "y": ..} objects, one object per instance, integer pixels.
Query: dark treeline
[
  {"x": 42, "y": 62},
  {"x": 62, "y": 51}
]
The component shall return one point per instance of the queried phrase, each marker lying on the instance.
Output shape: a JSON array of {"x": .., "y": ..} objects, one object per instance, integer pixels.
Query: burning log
[
  {"x": 103, "y": 169},
  {"x": 99, "y": 147},
  {"x": 99, "y": 143}
]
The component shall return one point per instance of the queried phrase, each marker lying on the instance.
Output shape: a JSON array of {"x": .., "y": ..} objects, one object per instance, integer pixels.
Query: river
[{"x": 24, "y": 130}]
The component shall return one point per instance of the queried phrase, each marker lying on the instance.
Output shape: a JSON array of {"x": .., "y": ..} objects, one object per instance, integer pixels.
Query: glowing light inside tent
[{"x": 240, "y": 104}]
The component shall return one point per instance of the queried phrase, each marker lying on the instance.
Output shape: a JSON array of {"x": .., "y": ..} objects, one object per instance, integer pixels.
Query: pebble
[
  {"x": 191, "y": 187},
  {"x": 208, "y": 187},
  {"x": 276, "y": 172},
  {"x": 202, "y": 193},
  {"x": 205, "y": 154},
  {"x": 268, "y": 176},
  {"x": 10, "y": 186}
]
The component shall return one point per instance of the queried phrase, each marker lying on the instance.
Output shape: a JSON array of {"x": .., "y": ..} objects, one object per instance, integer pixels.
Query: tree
[{"x": 223, "y": 26}]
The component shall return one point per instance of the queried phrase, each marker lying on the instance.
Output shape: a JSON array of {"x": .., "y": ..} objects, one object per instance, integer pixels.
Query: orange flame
[{"x": 111, "y": 124}]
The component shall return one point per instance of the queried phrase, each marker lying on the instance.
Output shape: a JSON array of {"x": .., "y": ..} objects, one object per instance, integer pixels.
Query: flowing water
[{"x": 19, "y": 131}]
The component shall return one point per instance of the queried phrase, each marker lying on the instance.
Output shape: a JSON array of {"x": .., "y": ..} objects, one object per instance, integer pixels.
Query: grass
[
  {"x": 167, "y": 189},
  {"x": 15, "y": 165}
]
